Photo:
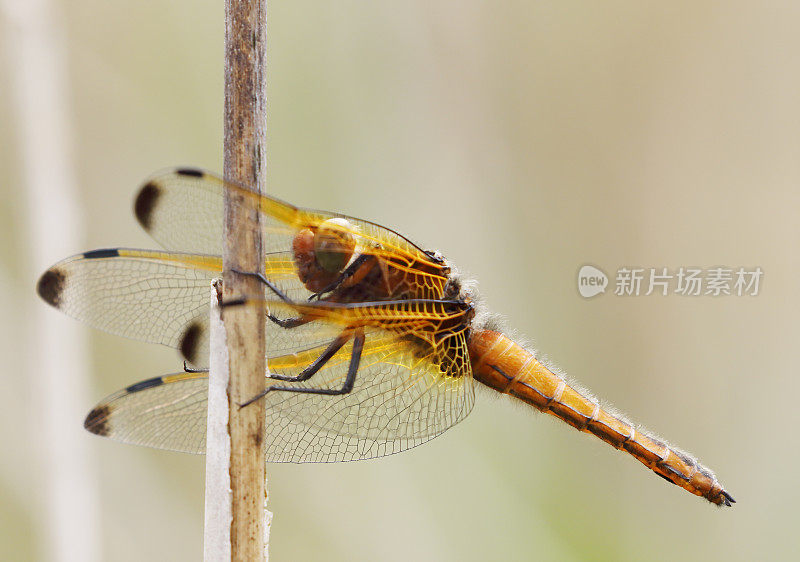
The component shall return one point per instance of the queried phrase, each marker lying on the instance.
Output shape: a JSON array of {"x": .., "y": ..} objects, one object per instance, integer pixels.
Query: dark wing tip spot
[
  {"x": 100, "y": 254},
  {"x": 189, "y": 342},
  {"x": 51, "y": 286},
  {"x": 149, "y": 383},
  {"x": 190, "y": 172},
  {"x": 145, "y": 203},
  {"x": 97, "y": 420}
]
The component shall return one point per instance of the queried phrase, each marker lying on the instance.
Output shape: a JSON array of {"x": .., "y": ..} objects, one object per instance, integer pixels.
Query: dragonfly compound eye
[{"x": 334, "y": 243}]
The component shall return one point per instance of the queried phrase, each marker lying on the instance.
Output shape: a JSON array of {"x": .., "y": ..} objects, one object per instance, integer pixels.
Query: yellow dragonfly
[{"x": 374, "y": 343}]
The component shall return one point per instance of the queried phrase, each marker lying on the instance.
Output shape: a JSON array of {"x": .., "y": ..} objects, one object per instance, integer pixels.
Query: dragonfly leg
[
  {"x": 261, "y": 277},
  {"x": 289, "y": 323},
  {"x": 346, "y": 274},
  {"x": 319, "y": 362},
  {"x": 355, "y": 361}
]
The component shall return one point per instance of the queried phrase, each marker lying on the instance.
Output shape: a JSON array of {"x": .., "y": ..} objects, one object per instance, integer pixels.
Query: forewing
[
  {"x": 157, "y": 297},
  {"x": 183, "y": 210},
  {"x": 149, "y": 296}
]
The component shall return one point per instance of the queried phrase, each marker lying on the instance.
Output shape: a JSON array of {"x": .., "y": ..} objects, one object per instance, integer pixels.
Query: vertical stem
[
  {"x": 245, "y": 140},
  {"x": 217, "y": 531}
]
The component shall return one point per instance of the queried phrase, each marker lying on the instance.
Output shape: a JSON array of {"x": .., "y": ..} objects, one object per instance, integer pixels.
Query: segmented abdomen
[{"x": 504, "y": 365}]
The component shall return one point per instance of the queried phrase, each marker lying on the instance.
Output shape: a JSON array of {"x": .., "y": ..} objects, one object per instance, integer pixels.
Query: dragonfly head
[
  {"x": 334, "y": 244},
  {"x": 323, "y": 252}
]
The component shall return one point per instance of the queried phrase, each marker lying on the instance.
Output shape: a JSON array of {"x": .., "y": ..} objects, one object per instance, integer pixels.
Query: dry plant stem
[
  {"x": 67, "y": 498},
  {"x": 217, "y": 543},
  {"x": 245, "y": 139}
]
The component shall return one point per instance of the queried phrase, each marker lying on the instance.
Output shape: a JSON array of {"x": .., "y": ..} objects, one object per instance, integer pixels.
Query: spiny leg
[
  {"x": 355, "y": 360},
  {"x": 319, "y": 362},
  {"x": 287, "y": 323},
  {"x": 269, "y": 284}
]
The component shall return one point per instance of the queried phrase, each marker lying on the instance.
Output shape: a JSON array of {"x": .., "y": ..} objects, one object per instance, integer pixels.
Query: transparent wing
[
  {"x": 438, "y": 325},
  {"x": 400, "y": 399},
  {"x": 166, "y": 412},
  {"x": 426, "y": 322},
  {"x": 149, "y": 296},
  {"x": 157, "y": 297},
  {"x": 183, "y": 210}
]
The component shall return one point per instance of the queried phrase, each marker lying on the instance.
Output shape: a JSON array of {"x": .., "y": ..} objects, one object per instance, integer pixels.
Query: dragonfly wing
[
  {"x": 414, "y": 380},
  {"x": 149, "y": 296},
  {"x": 427, "y": 322},
  {"x": 400, "y": 399},
  {"x": 440, "y": 325},
  {"x": 182, "y": 209},
  {"x": 166, "y": 412},
  {"x": 157, "y": 297}
]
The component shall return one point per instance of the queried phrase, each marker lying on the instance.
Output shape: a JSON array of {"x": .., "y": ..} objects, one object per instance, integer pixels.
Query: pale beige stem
[{"x": 217, "y": 538}]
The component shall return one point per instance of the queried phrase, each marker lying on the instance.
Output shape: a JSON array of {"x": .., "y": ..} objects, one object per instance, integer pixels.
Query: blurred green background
[{"x": 523, "y": 140}]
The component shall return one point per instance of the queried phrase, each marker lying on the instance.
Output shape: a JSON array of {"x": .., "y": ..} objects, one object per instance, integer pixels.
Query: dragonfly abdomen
[{"x": 504, "y": 365}]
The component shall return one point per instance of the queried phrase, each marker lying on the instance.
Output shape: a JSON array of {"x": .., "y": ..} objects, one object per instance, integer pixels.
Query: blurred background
[{"x": 523, "y": 140}]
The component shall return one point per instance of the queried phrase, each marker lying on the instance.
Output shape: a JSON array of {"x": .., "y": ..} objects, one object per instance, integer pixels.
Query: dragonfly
[{"x": 374, "y": 345}]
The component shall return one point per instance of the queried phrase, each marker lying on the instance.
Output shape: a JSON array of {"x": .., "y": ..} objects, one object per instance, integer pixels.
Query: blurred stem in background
[{"x": 58, "y": 370}]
